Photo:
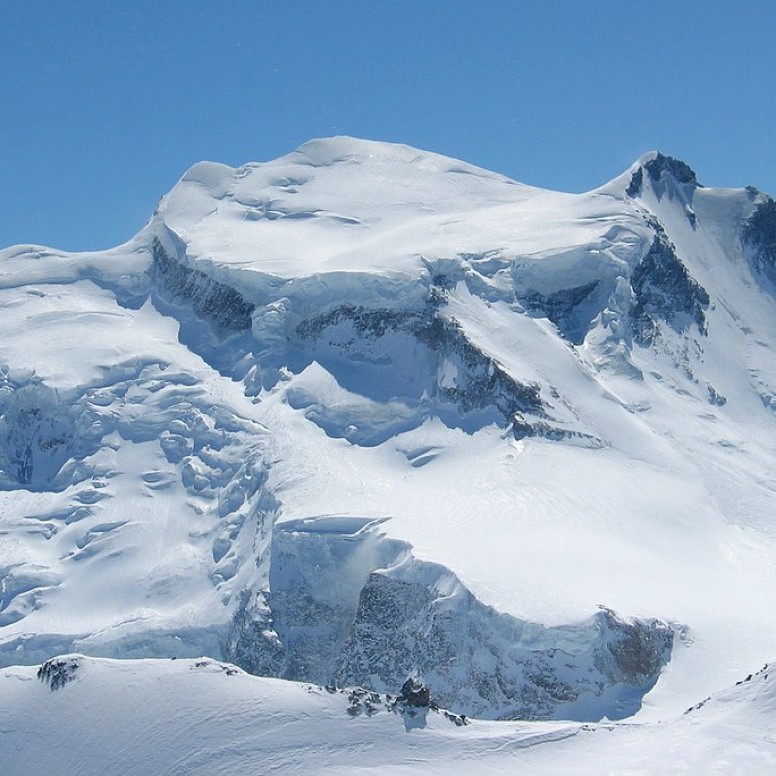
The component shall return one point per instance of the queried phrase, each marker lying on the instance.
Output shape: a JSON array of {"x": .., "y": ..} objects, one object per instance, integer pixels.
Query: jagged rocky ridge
[{"x": 663, "y": 170}]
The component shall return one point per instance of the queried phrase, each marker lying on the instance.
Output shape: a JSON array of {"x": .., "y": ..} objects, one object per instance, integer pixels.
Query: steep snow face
[{"x": 366, "y": 411}]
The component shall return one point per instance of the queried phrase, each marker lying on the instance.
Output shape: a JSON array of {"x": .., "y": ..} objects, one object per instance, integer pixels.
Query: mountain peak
[
  {"x": 214, "y": 423},
  {"x": 658, "y": 165},
  {"x": 659, "y": 168},
  {"x": 323, "y": 151},
  {"x": 339, "y": 149}
]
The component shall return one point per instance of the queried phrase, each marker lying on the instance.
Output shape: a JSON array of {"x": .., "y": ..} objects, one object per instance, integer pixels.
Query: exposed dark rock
[
  {"x": 661, "y": 165},
  {"x": 368, "y": 323},
  {"x": 415, "y": 693},
  {"x": 58, "y": 671},
  {"x": 401, "y": 625},
  {"x": 368, "y": 702},
  {"x": 361, "y": 701},
  {"x": 561, "y": 307},
  {"x": 636, "y": 182},
  {"x": 715, "y": 398},
  {"x": 219, "y": 304},
  {"x": 698, "y": 706},
  {"x": 759, "y": 232},
  {"x": 523, "y": 428},
  {"x": 362, "y": 627},
  {"x": 665, "y": 291},
  {"x": 483, "y": 382},
  {"x": 251, "y": 642},
  {"x": 636, "y": 652}
]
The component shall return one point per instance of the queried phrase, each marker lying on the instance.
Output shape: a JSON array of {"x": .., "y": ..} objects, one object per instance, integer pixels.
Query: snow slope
[
  {"x": 365, "y": 410},
  {"x": 139, "y": 717}
]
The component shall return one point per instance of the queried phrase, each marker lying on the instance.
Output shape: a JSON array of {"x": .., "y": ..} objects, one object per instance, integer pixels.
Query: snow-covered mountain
[{"x": 366, "y": 412}]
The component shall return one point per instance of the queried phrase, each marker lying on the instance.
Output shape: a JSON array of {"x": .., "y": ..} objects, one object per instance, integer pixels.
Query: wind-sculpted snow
[
  {"x": 207, "y": 716},
  {"x": 565, "y": 403},
  {"x": 204, "y": 462}
]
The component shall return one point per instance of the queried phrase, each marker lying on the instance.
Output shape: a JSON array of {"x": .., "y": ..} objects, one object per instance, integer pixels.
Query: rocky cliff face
[
  {"x": 466, "y": 376},
  {"x": 665, "y": 292},
  {"x": 219, "y": 304},
  {"x": 759, "y": 232},
  {"x": 346, "y": 606}
]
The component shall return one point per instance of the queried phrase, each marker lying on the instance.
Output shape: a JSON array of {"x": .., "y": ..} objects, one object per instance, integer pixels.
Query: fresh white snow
[{"x": 202, "y": 716}]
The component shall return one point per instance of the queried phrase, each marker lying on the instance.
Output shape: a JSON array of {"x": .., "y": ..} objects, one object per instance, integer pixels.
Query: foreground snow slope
[
  {"x": 365, "y": 410},
  {"x": 199, "y": 716}
]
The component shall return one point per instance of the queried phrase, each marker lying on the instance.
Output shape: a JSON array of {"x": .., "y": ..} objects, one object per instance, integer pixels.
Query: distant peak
[{"x": 659, "y": 165}]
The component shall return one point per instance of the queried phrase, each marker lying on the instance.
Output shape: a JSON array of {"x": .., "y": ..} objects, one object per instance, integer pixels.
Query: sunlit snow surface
[
  {"x": 149, "y": 716},
  {"x": 166, "y": 454}
]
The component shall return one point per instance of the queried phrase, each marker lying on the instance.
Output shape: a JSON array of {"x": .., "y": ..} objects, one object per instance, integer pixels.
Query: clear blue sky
[{"x": 105, "y": 104}]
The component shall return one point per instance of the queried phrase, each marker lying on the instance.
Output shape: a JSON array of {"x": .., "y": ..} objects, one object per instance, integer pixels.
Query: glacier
[{"x": 366, "y": 412}]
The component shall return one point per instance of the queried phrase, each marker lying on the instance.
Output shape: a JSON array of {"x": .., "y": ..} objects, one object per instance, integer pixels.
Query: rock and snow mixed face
[{"x": 560, "y": 402}]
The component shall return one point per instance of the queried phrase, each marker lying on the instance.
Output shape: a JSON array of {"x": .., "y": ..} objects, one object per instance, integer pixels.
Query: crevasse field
[{"x": 363, "y": 413}]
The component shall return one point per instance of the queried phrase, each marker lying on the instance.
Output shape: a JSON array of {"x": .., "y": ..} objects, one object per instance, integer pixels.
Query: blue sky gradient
[{"x": 106, "y": 104}]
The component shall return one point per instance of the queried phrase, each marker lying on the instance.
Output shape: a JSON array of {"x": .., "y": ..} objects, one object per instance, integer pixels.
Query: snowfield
[
  {"x": 92, "y": 715},
  {"x": 366, "y": 412}
]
